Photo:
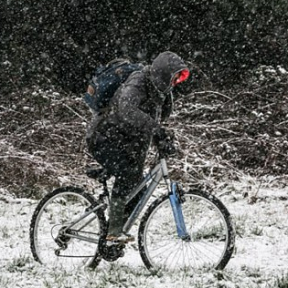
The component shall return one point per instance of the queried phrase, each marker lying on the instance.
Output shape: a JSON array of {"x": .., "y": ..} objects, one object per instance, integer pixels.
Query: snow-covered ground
[{"x": 260, "y": 259}]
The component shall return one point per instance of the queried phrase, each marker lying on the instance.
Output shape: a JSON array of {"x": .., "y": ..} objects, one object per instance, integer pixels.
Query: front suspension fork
[{"x": 175, "y": 201}]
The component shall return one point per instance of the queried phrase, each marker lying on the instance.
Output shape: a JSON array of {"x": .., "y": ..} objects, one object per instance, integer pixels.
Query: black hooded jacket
[{"x": 134, "y": 109}]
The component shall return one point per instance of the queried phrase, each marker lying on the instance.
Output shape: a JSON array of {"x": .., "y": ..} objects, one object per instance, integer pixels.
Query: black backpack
[{"x": 106, "y": 81}]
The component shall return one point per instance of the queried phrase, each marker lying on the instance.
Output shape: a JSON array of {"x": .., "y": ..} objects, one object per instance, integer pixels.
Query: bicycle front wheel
[
  {"x": 210, "y": 240},
  {"x": 49, "y": 242}
]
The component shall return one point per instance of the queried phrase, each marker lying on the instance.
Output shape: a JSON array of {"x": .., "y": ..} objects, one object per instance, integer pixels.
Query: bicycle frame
[{"x": 159, "y": 172}]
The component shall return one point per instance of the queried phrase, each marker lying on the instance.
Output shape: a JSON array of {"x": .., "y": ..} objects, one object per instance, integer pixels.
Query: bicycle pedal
[
  {"x": 121, "y": 239},
  {"x": 117, "y": 244},
  {"x": 111, "y": 243}
]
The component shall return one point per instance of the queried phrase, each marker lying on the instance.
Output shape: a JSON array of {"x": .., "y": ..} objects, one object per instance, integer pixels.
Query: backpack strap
[{"x": 118, "y": 60}]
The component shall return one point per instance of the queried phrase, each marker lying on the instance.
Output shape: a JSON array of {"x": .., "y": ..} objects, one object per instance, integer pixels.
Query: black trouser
[{"x": 123, "y": 160}]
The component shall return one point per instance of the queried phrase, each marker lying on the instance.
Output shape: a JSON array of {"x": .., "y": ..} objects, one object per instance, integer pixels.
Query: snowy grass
[{"x": 260, "y": 259}]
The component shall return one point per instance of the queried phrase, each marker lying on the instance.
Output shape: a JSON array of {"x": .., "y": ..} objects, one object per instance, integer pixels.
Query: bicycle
[{"x": 179, "y": 230}]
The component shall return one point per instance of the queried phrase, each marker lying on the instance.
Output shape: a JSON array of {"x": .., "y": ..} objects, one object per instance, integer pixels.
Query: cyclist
[{"x": 120, "y": 137}]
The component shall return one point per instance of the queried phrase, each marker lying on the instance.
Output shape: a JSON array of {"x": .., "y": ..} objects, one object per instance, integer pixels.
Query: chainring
[{"x": 112, "y": 252}]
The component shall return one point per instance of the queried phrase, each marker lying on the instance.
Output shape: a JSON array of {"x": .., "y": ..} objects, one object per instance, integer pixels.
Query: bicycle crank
[{"x": 112, "y": 252}]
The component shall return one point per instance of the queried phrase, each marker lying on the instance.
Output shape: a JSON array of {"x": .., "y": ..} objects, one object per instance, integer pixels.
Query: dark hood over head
[{"x": 163, "y": 68}]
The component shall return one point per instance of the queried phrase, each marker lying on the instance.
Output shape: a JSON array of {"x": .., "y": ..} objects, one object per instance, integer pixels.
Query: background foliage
[
  {"x": 63, "y": 41},
  {"x": 233, "y": 117}
]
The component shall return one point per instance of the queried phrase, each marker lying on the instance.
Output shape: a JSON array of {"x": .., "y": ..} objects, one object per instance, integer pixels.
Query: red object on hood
[{"x": 180, "y": 77}]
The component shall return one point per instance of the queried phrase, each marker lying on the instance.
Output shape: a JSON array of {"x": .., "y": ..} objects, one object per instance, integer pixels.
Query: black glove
[
  {"x": 162, "y": 135},
  {"x": 166, "y": 148},
  {"x": 164, "y": 142}
]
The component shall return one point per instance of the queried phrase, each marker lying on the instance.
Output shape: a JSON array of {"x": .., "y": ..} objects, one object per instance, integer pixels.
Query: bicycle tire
[
  {"x": 148, "y": 233},
  {"x": 41, "y": 214}
]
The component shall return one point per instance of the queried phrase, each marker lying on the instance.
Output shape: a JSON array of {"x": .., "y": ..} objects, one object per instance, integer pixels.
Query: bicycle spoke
[
  {"x": 179, "y": 255},
  {"x": 50, "y": 235},
  {"x": 206, "y": 226},
  {"x": 208, "y": 250},
  {"x": 201, "y": 253},
  {"x": 160, "y": 247},
  {"x": 192, "y": 255},
  {"x": 171, "y": 246},
  {"x": 172, "y": 253}
]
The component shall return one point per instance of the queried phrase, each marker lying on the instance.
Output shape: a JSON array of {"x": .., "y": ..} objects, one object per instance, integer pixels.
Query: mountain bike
[{"x": 179, "y": 230}]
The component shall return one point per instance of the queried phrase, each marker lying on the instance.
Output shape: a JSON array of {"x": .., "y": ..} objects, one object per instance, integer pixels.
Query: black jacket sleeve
[
  {"x": 167, "y": 108},
  {"x": 130, "y": 98}
]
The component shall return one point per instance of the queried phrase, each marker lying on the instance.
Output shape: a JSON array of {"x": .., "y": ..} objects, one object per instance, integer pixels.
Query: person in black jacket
[{"x": 120, "y": 138}]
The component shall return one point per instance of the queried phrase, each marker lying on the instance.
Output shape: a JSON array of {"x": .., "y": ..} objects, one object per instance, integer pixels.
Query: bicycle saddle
[{"x": 100, "y": 174}]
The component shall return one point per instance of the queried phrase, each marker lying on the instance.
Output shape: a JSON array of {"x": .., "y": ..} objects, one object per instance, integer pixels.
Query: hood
[{"x": 163, "y": 68}]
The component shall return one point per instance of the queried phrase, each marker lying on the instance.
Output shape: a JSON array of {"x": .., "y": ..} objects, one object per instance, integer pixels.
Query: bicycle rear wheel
[
  {"x": 54, "y": 213},
  {"x": 211, "y": 235}
]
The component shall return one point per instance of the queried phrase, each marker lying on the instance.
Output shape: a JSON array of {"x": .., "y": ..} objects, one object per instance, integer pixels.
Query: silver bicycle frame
[
  {"x": 159, "y": 171},
  {"x": 91, "y": 240}
]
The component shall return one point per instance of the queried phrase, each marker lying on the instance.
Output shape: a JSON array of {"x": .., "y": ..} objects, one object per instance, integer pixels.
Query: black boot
[
  {"x": 116, "y": 214},
  {"x": 116, "y": 221}
]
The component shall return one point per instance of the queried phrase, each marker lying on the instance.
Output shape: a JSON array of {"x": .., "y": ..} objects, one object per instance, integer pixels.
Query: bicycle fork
[{"x": 175, "y": 201}]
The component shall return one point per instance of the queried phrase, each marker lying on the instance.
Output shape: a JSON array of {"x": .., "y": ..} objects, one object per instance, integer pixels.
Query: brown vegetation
[{"x": 219, "y": 134}]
